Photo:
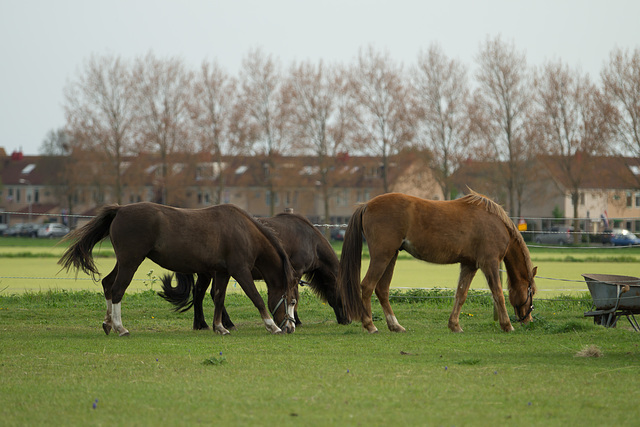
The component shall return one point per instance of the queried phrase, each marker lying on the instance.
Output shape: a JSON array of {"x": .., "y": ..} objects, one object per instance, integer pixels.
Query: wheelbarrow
[{"x": 613, "y": 296}]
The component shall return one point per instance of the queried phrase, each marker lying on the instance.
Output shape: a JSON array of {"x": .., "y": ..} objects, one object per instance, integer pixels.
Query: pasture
[{"x": 59, "y": 367}]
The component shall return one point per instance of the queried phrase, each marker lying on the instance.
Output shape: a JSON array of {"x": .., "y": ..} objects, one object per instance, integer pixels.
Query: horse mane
[
  {"x": 322, "y": 274},
  {"x": 492, "y": 207},
  {"x": 273, "y": 238}
]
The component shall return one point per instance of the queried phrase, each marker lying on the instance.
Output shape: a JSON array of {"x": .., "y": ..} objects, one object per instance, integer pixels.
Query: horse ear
[{"x": 534, "y": 271}]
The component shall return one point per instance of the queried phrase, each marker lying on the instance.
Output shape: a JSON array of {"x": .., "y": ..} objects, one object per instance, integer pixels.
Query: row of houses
[{"x": 36, "y": 188}]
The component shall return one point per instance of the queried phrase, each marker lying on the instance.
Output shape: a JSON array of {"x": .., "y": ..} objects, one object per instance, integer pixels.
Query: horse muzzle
[{"x": 288, "y": 323}]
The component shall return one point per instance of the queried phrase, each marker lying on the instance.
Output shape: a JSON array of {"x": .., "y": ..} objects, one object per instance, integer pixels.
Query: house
[
  {"x": 54, "y": 188},
  {"x": 608, "y": 188}
]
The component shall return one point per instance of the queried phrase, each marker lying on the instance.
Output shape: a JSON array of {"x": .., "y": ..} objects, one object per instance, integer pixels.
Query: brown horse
[
  {"x": 310, "y": 254},
  {"x": 221, "y": 240},
  {"x": 473, "y": 231}
]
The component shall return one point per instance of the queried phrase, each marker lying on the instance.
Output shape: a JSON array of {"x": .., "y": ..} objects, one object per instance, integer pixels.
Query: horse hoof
[
  {"x": 106, "y": 328},
  {"x": 124, "y": 334}
]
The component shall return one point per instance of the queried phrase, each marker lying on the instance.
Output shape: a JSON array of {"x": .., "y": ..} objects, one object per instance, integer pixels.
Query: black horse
[
  {"x": 311, "y": 255},
  {"x": 221, "y": 241}
]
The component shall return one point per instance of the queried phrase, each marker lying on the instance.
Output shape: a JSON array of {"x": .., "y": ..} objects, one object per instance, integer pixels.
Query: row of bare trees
[{"x": 507, "y": 110}]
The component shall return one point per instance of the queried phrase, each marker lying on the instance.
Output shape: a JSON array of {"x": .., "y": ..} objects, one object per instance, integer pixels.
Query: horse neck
[
  {"x": 270, "y": 266},
  {"x": 517, "y": 262},
  {"x": 273, "y": 269}
]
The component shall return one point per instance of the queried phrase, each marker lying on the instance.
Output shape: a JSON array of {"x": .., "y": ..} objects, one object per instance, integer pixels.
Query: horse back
[
  {"x": 187, "y": 240},
  {"x": 436, "y": 231}
]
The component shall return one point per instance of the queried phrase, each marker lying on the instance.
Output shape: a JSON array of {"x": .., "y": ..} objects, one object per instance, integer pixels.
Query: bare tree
[
  {"x": 99, "y": 109},
  {"x": 264, "y": 99},
  {"x": 621, "y": 79},
  {"x": 503, "y": 99},
  {"x": 162, "y": 91},
  {"x": 56, "y": 143},
  {"x": 385, "y": 113},
  {"x": 320, "y": 117},
  {"x": 574, "y": 122},
  {"x": 214, "y": 114},
  {"x": 441, "y": 87}
]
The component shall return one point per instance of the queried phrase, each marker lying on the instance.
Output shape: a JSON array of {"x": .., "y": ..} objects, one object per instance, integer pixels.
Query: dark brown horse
[
  {"x": 473, "y": 231},
  {"x": 222, "y": 241},
  {"x": 311, "y": 256}
]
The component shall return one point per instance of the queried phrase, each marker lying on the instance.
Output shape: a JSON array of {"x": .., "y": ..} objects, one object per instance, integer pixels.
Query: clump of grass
[
  {"x": 214, "y": 360},
  {"x": 572, "y": 326},
  {"x": 469, "y": 362},
  {"x": 590, "y": 351}
]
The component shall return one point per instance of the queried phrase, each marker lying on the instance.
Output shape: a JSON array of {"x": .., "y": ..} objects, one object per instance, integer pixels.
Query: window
[
  {"x": 629, "y": 199},
  {"x": 269, "y": 199},
  {"x": 638, "y": 199},
  {"x": 342, "y": 198}
]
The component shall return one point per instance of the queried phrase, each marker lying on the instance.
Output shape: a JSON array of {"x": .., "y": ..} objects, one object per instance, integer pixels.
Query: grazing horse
[
  {"x": 473, "y": 231},
  {"x": 222, "y": 241},
  {"x": 310, "y": 254}
]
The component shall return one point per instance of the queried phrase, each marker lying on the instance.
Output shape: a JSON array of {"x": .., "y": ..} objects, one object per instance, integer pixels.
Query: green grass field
[
  {"x": 31, "y": 265},
  {"x": 58, "y": 367}
]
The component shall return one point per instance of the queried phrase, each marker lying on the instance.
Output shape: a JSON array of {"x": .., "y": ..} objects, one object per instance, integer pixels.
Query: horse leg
[
  {"x": 382, "y": 292},
  {"x": 377, "y": 269},
  {"x": 295, "y": 308},
  {"x": 467, "y": 272},
  {"x": 120, "y": 285},
  {"x": 198, "y": 298},
  {"x": 107, "y": 284},
  {"x": 219, "y": 290},
  {"x": 495, "y": 285},
  {"x": 245, "y": 280}
]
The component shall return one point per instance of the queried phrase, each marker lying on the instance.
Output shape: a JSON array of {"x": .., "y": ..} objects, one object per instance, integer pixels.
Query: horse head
[
  {"x": 521, "y": 296},
  {"x": 282, "y": 308}
]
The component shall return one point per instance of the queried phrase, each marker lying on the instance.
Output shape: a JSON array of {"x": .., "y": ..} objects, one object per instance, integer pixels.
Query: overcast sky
[{"x": 44, "y": 43}]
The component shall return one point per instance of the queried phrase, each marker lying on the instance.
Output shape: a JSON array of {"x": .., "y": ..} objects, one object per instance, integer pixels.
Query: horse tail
[
  {"x": 350, "y": 263},
  {"x": 181, "y": 296},
  {"x": 79, "y": 255}
]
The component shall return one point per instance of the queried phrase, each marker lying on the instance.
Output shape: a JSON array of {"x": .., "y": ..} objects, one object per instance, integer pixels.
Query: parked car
[
  {"x": 608, "y": 233},
  {"x": 23, "y": 229},
  {"x": 625, "y": 238},
  {"x": 53, "y": 230},
  {"x": 557, "y": 235},
  {"x": 337, "y": 233},
  {"x": 3, "y": 228},
  {"x": 29, "y": 230}
]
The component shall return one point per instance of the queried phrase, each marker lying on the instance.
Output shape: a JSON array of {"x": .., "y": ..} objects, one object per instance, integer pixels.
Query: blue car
[{"x": 625, "y": 238}]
